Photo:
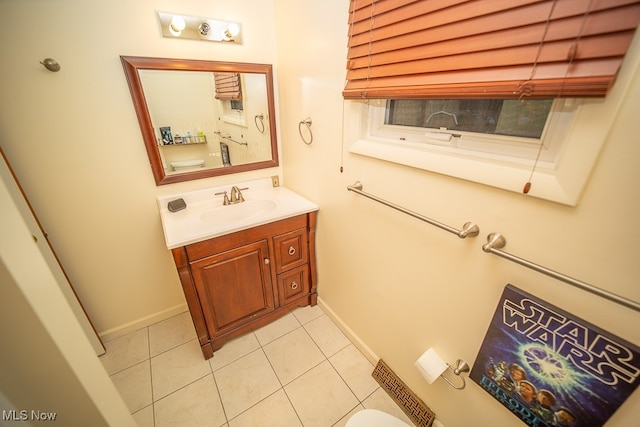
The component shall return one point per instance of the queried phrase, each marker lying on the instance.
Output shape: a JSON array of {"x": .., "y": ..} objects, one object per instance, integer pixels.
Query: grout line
[
  {"x": 326, "y": 359},
  {"x": 153, "y": 406},
  {"x": 266, "y": 397},
  {"x": 349, "y": 333},
  {"x": 173, "y": 348},
  {"x": 188, "y": 384},
  {"x": 224, "y": 411},
  {"x": 149, "y": 359},
  {"x": 318, "y": 345},
  {"x": 238, "y": 357},
  {"x": 348, "y": 412},
  {"x": 279, "y": 336},
  {"x": 341, "y": 377},
  {"x": 293, "y": 406},
  {"x": 272, "y": 368},
  {"x": 262, "y": 348}
]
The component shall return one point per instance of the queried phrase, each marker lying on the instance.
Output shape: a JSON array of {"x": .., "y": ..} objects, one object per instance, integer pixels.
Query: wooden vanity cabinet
[{"x": 244, "y": 280}]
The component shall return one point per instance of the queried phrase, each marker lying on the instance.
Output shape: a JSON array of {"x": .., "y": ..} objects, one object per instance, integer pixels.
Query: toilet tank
[{"x": 187, "y": 164}]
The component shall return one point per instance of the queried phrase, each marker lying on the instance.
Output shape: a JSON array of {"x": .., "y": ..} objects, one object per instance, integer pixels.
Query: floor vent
[{"x": 411, "y": 404}]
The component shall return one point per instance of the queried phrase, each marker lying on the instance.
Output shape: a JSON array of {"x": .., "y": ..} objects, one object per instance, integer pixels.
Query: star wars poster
[{"x": 550, "y": 368}]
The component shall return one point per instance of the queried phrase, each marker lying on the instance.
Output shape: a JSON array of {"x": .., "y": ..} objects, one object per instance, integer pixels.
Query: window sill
[{"x": 547, "y": 184}]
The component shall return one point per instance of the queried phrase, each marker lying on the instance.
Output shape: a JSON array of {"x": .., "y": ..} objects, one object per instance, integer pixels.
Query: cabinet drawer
[
  {"x": 291, "y": 250},
  {"x": 293, "y": 284}
]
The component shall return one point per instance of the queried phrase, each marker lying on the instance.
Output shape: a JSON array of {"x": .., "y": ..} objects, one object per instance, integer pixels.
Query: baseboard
[
  {"x": 355, "y": 339},
  {"x": 143, "y": 322}
]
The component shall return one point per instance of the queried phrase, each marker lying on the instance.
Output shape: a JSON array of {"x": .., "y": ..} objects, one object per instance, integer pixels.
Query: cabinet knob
[
  {"x": 292, "y": 250},
  {"x": 294, "y": 285},
  {"x": 267, "y": 261}
]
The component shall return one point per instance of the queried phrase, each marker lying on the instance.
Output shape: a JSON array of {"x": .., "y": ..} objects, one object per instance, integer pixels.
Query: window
[
  {"x": 233, "y": 112},
  {"x": 236, "y": 104},
  {"x": 438, "y": 85},
  {"x": 506, "y": 130},
  {"x": 500, "y": 129},
  {"x": 487, "y": 116},
  {"x": 563, "y": 164}
]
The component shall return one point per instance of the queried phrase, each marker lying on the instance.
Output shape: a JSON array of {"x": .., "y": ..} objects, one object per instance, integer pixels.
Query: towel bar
[
  {"x": 495, "y": 242},
  {"x": 469, "y": 229}
]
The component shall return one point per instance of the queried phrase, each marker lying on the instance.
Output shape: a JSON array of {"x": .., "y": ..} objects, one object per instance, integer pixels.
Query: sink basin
[
  {"x": 238, "y": 212},
  {"x": 206, "y": 217}
]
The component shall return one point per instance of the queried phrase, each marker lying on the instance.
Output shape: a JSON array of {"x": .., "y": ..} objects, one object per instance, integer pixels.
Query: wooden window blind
[
  {"x": 227, "y": 86},
  {"x": 486, "y": 48}
]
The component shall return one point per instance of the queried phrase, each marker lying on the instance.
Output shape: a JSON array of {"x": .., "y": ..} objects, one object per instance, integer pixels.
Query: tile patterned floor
[{"x": 300, "y": 370}]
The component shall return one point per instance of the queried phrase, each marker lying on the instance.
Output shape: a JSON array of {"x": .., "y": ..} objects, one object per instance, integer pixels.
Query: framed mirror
[{"x": 201, "y": 119}]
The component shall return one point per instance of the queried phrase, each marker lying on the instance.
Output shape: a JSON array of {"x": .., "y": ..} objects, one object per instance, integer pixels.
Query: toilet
[
  {"x": 187, "y": 165},
  {"x": 374, "y": 418}
]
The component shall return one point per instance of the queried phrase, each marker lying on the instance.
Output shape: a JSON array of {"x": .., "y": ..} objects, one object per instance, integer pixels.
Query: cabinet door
[{"x": 234, "y": 286}]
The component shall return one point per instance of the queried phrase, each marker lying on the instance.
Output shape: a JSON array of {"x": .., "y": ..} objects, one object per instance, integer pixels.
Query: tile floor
[{"x": 300, "y": 370}]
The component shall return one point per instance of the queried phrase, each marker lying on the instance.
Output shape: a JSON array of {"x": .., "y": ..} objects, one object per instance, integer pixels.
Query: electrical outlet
[
  {"x": 437, "y": 423},
  {"x": 275, "y": 180}
]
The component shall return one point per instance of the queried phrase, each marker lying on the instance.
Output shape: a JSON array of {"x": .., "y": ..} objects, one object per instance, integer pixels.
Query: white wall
[
  {"x": 402, "y": 285},
  {"x": 399, "y": 284},
  {"x": 74, "y": 142}
]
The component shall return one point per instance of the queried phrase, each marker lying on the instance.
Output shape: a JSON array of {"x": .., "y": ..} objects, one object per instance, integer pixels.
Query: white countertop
[{"x": 190, "y": 224}]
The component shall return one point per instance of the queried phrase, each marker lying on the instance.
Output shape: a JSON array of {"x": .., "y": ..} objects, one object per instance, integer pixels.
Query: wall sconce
[
  {"x": 190, "y": 27},
  {"x": 431, "y": 366}
]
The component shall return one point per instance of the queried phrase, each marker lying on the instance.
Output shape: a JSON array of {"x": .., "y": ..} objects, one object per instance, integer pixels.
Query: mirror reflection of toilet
[
  {"x": 187, "y": 165},
  {"x": 374, "y": 418}
]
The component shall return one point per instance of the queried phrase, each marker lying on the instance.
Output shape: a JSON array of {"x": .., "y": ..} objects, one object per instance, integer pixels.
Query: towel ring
[
  {"x": 307, "y": 122},
  {"x": 260, "y": 125}
]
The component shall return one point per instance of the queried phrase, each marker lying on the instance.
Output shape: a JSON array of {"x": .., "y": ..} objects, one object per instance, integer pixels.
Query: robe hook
[{"x": 51, "y": 64}]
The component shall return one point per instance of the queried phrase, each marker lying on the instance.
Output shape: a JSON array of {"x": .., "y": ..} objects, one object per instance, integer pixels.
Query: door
[{"x": 40, "y": 239}]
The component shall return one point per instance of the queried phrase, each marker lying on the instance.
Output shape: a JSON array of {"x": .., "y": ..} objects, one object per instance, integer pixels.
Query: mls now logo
[{"x": 24, "y": 415}]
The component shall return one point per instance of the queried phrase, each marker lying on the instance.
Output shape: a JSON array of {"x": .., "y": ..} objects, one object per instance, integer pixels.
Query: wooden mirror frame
[{"x": 131, "y": 66}]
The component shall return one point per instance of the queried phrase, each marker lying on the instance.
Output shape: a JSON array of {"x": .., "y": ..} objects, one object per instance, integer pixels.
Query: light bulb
[
  {"x": 177, "y": 25},
  {"x": 233, "y": 30}
]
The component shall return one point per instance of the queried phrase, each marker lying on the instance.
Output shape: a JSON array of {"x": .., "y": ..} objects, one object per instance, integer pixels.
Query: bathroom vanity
[{"x": 242, "y": 265}]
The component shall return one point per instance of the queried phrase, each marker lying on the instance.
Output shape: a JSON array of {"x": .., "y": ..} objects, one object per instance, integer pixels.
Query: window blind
[
  {"x": 227, "y": 86},
  {"x": 486, "y": 48}
]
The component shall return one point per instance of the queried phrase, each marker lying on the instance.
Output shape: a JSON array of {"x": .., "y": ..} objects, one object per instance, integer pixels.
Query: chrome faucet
[{"x": 236, "y": 195}]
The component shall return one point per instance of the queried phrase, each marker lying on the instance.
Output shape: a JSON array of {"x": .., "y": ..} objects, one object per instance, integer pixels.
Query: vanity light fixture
[{"x": 190, "y": 27}]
